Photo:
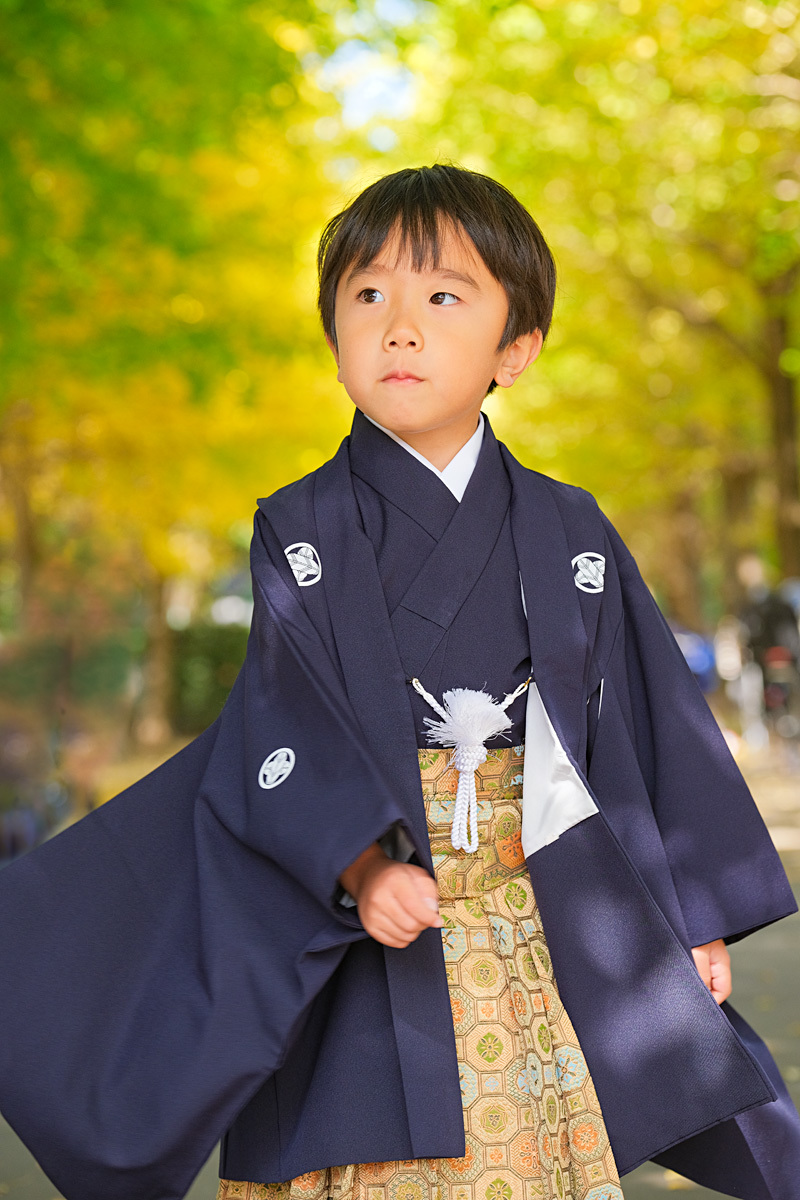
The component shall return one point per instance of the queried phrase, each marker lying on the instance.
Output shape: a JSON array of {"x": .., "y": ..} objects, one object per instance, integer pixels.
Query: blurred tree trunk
[
  {"x": 783, "y": 423},
  {"x": 152, "y": 727},
  {"x": 739, "y": 474},
  {"x": 683, "y": 560},
  {"x": 16, "y": 474},
  {"x": 763, "y": 350}
]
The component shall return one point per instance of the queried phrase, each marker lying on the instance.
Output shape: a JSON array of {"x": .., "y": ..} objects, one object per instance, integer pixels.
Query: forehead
[{"x": 449, "y": 249}]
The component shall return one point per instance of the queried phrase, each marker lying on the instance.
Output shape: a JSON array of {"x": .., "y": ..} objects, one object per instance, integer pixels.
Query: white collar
[{"x": 456, "y": 475}]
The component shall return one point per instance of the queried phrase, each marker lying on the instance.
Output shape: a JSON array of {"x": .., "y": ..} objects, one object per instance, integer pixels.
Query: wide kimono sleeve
[
  {"x": 158, "y": 956},
  {"x": 726, "y": 871},
  {"x": 333, "y": 804}
]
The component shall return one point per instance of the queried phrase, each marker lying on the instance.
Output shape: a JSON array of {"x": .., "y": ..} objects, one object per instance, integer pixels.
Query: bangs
[
  {"x": 419, "y": 205},
  {"x": 419, "y": 232}
]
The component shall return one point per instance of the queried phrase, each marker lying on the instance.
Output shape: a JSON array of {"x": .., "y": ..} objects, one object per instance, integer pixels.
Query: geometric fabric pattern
[{"x": 532, "y": 1121}]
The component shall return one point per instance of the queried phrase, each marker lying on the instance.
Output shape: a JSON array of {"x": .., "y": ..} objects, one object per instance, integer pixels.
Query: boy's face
[{"x": 417, "y": 350}]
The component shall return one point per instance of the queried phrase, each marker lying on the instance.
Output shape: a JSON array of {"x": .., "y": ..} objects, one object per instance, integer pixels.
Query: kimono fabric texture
[{"x": 532, "y": 1121}]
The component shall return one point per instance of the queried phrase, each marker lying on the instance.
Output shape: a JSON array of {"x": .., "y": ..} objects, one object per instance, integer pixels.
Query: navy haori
[{"x": 181, "y": 965}]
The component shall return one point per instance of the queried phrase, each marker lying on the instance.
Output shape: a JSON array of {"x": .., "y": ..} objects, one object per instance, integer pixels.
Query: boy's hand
[
  {"x": 396, "y": 901},
  {"x": 714, "y": 964}
]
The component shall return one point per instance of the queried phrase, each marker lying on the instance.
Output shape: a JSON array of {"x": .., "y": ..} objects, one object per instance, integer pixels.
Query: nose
[
  {"x": 402, "y": 339},
  {"x": 402, "y": 333}
]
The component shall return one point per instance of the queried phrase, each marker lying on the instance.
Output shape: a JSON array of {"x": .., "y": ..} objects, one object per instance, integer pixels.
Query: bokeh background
[{"x": 166, "y": 167}]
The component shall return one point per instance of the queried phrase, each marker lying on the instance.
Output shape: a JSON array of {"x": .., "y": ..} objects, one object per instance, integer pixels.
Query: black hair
[{"x": 420, "y": 202}]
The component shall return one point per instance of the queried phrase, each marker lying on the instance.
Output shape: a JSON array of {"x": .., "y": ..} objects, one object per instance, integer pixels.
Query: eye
[
  {"x": 444, "y": 298},
  {"x": 370, "y": 295}
]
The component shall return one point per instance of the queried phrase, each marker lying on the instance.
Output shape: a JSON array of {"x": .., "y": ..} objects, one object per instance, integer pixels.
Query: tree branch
[{"x": 694, "y": 314}]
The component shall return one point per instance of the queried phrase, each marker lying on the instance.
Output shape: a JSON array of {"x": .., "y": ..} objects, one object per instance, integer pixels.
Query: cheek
[
  {"x": 473, "y": 349},
  {"x": 355, "y": 342}
]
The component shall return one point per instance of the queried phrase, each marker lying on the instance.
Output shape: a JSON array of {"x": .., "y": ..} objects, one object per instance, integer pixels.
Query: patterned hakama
[{"x": 532, "y": 1120}]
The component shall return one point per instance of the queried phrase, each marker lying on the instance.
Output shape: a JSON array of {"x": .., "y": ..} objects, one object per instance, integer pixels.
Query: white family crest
[
  {"x": 276, "y": 767},
  {"x": 305, "y": 563},
  {"x": 589, "y": 570}
]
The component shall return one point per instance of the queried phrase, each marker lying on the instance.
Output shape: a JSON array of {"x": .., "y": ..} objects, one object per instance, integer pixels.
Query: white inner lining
[{"x": 554, "y": 797}]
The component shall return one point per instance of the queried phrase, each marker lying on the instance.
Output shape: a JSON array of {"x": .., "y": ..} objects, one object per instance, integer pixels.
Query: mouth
[{"x": 401, "y": 377}]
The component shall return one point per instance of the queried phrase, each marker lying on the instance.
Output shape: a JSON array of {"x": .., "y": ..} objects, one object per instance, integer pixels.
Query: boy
[{"x": 251, "y": 944}]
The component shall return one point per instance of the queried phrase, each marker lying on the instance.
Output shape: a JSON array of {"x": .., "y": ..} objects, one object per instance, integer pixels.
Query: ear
[
  {"x": 516, "y": 357},
  {"x": 332, "y": 348}
]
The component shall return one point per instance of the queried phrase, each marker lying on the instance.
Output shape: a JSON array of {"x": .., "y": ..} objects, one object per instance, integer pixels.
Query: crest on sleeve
[
  {"x": 305, "y": 563},
  {"x": 276, "y": 767},
  {"x": 589, "y": 570}
]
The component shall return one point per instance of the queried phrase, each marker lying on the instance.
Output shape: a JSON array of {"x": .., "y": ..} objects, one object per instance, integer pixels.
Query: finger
[
  {"x": 720, "y": 969},
  {"x": 721, "y": 982},
  {"x": 418, "y": 910},
  {"x": 386, "y": 939},
  {"x": 402, "y": 904},
  {"x": 383, "y": 930},
  {"x": 392, "y": 925},
  {"x": 419, "y": 898},
  {"x": 701, "y": 962},
  {"x": 390, "y": 932},
  {"x": 418, "y": 878},
  {"x": 406, "y": 883},
  {"x": 388, "y": 912}
]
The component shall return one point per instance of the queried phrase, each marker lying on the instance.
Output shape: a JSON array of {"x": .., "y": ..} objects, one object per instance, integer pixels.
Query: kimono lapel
[
  {"x": 374, "y": 678},
  {"x": 465, "y": 533},
  {"x": 378, "y": 690},
  {"x": 399, "y": 477},
  {"x": 367, "y": 636},
  {"x": 427, "y": 610},
  {"x": 560, "y": 648},
  {"x": 556, "y": 795}
]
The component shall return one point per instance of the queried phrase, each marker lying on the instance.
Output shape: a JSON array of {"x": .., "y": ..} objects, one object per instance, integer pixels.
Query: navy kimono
[{"x": 181, "y": 965}]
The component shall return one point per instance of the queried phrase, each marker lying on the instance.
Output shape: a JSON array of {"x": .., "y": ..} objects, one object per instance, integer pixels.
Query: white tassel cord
[{"x": 469, "y": 719}]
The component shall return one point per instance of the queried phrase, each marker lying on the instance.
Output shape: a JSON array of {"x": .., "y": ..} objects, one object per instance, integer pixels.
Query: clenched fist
[
  {"x": 396, "y": 901},
  {"x": 714, "y": 964}
]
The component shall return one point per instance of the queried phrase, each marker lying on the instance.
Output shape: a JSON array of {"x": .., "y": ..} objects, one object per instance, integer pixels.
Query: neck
[{"x": 441, "y": 445}]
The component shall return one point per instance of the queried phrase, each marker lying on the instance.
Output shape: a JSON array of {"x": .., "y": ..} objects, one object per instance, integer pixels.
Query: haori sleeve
[
  {"x": 727, "y": 873},
  {"x": 312, "y": 798},
  {"x": 396, "y": 844}
]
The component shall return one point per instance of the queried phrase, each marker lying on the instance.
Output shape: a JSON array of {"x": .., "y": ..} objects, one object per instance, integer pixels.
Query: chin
[{"x": 404, "y": 415}]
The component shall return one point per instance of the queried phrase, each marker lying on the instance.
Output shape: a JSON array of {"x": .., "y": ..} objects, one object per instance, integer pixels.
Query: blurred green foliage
[
  {"x": 207, "y": 660},
  {"x": 165, "y": 170},
  {"x": 657, "y": 146}
]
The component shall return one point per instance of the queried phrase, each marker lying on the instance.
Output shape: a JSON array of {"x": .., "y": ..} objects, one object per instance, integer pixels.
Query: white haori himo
[
  {"x": 554, "y": 798},
  {"x": 469, "y": 719}
]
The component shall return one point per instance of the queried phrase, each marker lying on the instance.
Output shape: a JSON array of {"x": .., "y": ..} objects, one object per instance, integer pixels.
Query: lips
[{"x": 401, "y": 377}]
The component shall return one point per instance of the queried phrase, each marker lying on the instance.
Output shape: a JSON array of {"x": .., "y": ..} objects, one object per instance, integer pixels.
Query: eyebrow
[{"x": 444, "y": 272}]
